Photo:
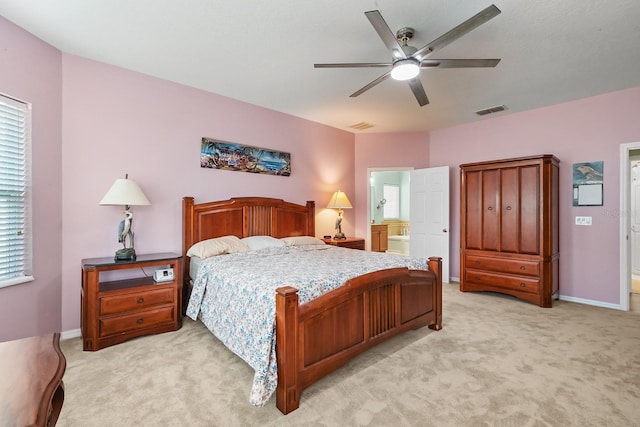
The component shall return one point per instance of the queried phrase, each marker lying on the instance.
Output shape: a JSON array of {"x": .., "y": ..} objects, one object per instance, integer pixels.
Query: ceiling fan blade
[
  {"x": 418, "y": 91},
  {"x": 353, "y": 65},
  {"x": 370, "y": 85},
  {"x": 457, "y": 32},
  {"x": 458, "y": 63},
  {"x": 385, "y": 34}
]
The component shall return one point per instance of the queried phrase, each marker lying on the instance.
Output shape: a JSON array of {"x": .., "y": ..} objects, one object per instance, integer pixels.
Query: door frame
[
  {"x": 369, "y": 170},
  {"x": 625, "y": 222}
]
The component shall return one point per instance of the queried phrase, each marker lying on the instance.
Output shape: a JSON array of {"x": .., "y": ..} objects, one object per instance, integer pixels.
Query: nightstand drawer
[
  {"x": 135, "y": 301},
  {"x": 353, "y": 245},
  {"x": 138, "y": 320}
]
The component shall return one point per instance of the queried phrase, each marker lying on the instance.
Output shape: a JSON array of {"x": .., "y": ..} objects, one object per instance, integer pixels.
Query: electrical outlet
[{"x": 583, "y": 220}]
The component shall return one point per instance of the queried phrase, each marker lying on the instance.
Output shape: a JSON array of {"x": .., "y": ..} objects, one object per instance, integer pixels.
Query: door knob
[{"x": 444, "y": 230}]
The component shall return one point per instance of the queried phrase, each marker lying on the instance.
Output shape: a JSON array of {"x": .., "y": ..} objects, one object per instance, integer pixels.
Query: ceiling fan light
[{"x": 405, "y": 69}]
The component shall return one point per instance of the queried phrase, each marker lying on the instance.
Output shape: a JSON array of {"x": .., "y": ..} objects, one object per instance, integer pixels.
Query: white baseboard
[
  {"x": 591, "y": 302},
  {"x": 74, "y": 333}
]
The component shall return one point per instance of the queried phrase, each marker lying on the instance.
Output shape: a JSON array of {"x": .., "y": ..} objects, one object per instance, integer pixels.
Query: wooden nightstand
[
  {"x": 115, "y": 311},
  {"x": 349, "y": 242}
]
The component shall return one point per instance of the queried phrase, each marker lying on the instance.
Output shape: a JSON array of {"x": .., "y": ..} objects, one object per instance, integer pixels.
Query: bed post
[
  {"x": 288, "y": 391},
  {"x": 311, "y": 218},
  {"x": 435, "y": 265},
  {"x": 187, "y": 241}
]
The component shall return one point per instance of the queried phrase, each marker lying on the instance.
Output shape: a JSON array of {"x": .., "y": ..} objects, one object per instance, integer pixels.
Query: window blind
[{"x": 15, "y": 239}]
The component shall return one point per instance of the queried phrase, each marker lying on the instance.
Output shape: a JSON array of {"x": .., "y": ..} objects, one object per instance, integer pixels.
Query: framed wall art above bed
[{"x": 224, "y": 155}]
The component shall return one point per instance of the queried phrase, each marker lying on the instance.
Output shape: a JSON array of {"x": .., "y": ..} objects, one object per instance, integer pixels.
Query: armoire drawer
[
  {"x": 516, "y": 283},
  {"x": 123, "y": 303},
  {"x": 137, "y": 320},
  {"x": 503, "y": 265}
]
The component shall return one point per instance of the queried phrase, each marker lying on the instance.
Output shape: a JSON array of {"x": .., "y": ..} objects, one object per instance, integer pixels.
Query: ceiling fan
[{"x": 407, "y": 61}]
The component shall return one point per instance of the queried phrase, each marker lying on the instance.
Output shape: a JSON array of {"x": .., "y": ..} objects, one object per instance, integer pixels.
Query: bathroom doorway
[
  {"x": 389, "y": 205},
  {"x": 629, "y": 241},
  {"x": 634, "y": 198},
  {"x": 390, "y": 214}
]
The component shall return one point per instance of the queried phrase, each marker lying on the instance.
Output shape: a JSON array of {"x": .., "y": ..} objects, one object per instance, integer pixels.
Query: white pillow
[
  {"x": 218, "y": 246},
  {"x": 262, "y": 242},
  {"x": 236, "y": 246},
  {"x": 301, "y": 240}
]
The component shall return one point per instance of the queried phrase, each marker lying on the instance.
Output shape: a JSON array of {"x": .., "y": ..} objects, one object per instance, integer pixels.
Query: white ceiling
[{"x": 262, "y": 52}]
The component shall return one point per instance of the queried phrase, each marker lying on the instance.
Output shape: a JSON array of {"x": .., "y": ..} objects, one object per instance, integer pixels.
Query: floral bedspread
[{"x": 234, "y": 296}]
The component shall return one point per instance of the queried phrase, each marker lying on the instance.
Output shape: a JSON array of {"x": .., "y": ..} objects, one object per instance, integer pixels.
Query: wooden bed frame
[{"x": 316, "y": 338}]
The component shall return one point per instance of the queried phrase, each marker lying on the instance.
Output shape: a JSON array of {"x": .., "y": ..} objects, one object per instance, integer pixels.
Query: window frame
[{"x": 26, "y": 273}]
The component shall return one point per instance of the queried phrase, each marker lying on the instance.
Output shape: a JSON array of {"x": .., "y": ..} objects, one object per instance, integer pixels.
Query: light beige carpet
[{"x": 496, "y": 362}]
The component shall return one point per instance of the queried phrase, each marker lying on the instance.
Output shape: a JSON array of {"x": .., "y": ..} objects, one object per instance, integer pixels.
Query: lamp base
[
  {"x": 126, "y": 254},
  {"x": 339, "y": 236}
]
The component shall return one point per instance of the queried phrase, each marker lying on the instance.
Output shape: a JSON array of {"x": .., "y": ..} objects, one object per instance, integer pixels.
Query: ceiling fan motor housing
[{"x": 405, "y": 33}]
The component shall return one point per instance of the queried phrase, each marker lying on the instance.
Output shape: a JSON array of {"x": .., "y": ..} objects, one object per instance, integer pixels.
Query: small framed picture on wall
[{"x": 588, "y": 184}]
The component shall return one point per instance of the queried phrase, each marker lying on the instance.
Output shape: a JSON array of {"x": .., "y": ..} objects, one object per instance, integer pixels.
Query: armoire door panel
[
  {"x": 509, "y": 224},
  {"x": 491, "y": 209},
  {"x": 473, "y": 214},
  {"x": 530, "y": 209}
]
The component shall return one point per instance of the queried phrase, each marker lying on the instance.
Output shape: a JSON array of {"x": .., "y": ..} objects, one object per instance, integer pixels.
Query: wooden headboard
[{"x": 243, "y": 217}]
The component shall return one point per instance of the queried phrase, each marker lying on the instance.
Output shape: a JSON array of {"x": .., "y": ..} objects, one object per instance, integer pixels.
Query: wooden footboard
[{"x": 316, "y": 338}]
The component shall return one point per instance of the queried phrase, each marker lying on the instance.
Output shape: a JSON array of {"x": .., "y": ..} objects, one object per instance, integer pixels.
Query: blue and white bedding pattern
[{"x": 234, "y": 296}]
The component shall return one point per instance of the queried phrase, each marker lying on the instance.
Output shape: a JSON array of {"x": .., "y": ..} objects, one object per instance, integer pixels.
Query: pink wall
[
  {"x": 117, "y": 121},
  {"x": 384, "y": 150},
  {"x": 590, "y": 129},
  {"x": 30, "y": 71},
  {"x": 94, "y": 123}
]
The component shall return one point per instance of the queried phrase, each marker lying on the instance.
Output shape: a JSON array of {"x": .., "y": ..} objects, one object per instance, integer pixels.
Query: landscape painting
[{"x": 217, "y": 154}]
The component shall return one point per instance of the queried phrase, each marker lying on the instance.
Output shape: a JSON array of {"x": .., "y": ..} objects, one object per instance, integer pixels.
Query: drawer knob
[
  {"x": 522, "y": 267},
  {"x": 477, "y": 277},
  {"x": 140, "y": 321},
  {"x": 523, "y": 285},
  {"x": 477, "y": 262},
  {"x": 508, "y": 208},
  {"x": 490, "y": 208},
  {"x": 140, "y": 300}
]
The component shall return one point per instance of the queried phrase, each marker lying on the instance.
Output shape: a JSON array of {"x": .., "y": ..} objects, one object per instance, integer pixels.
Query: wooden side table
[
  {"x": 31, "y": 389},
  {"x": 117, "y": 310},
  {"x": 349, "y": 242}
]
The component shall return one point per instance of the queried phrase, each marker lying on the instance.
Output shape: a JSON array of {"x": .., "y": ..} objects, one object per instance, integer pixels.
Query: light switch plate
[{"x": 583, "y": 220}]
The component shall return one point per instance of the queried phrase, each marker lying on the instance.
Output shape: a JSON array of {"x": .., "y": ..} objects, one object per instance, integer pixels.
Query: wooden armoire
[{"x": 509, "y": 227}]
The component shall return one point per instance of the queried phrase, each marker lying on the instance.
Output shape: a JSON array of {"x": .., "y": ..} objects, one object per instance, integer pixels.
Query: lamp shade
[
  {"x": 339, "y": 200},
  {"x": 125, "y": 192}
]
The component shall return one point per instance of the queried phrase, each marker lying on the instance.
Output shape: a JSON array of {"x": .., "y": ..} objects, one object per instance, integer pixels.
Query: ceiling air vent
[
  {"x": 490, "y": 110},
  {"x": 361, "y": 126}
]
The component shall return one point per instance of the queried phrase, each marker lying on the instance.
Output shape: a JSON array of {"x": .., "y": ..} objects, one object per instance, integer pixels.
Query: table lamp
[
  {"x": 125, "y": 192},
  {"x": 339, "y": 201}
]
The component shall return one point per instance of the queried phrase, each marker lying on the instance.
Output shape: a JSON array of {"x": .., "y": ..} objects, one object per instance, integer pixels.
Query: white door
[
  {"x": 429, "y": 212},
  {"x": 635, "y": 217}
]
